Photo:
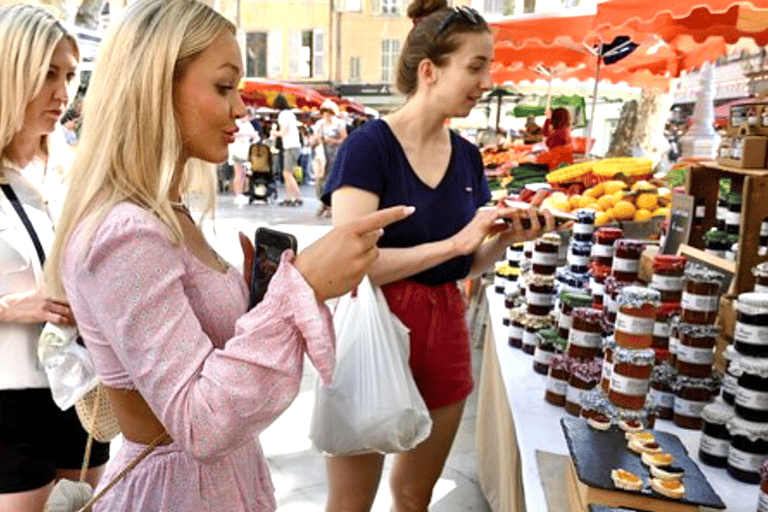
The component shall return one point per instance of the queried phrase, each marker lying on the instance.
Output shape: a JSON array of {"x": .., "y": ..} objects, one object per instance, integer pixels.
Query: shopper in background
[
  {"x": 38, "y": 442},
  {"x": 557, "y": 128},
  {"x": 164, "y": 318},
  {"x": 288, "y": 131},
  {"x": 411, "y": 156},
  {"x": 329, "y": 131}
]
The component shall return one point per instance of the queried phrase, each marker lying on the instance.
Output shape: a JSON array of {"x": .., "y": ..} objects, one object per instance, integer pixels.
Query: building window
[
  {"x": 493, "y": 6},
  {"x": 529, "y": 6},
  {"x": 354, "y": 69},
  {"x": 256, "y": 54},
  {"x": 307, "y": 53},
  {"x": 390, "y": 50},
  {"x": 386, "y": 7}
]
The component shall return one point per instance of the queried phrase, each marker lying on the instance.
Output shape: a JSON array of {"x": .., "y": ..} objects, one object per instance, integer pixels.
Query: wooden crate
[
  {"x": 703, "y": 183},
  {"x": 754, "y": 149}
]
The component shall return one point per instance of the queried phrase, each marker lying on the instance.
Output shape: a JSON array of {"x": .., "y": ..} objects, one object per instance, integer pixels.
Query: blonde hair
[
  {"x": 130, "y": 144},
  {"x": 28, "y": 37}
]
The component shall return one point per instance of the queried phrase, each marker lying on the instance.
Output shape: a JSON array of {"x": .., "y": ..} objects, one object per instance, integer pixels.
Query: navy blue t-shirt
[{"x": 372, "y": 159}]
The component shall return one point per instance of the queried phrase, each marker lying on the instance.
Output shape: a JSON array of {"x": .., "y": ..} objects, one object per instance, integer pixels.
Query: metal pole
[{"x": 594, "y": 96}]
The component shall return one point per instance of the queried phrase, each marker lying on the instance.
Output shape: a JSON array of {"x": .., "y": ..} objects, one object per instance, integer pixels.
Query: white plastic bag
[
  {"x": 68, "y": 365},
  {"x": 372, "y": 404}
]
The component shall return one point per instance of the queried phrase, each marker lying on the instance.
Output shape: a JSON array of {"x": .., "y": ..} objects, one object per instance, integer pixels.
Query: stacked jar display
[
  {"x": 540, "y": 288},
  {"x": 580, "y": 248},
  {"x": 667, "y": 279},
  {"x": 601, "y": 261}
]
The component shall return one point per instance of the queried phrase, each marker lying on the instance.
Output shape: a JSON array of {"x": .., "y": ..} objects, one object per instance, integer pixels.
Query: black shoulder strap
[{"x": 25, "y": 220}]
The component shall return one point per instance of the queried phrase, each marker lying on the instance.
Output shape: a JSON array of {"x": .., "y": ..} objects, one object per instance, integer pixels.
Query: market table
[{"x": 514, "y": 421}]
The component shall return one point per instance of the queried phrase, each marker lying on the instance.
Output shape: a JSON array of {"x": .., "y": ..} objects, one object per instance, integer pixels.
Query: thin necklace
[{"x": 182, "y": 208}]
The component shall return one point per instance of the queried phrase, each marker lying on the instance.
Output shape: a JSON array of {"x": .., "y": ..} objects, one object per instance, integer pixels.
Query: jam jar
[
  {"x": 602, "y": 248},
  {"x": 516, "y": 327},
  {"x": 597, "y": 276},
  {"x": 610, "y": 295},
  {"x": 609, "y": 346},
  {"x": 578, "y": 256},
  {"x": 691, "y": 396},
  {"x": 668, "y": 276},
  {"x": 733, "y": 217},
  {"x": 527, "y": 250},
  {"x": 732, "y": 373},
  {"x": 751, "y": 401},
  {"x": 674, "y": 338},
  {"x": 512, "y": 286},
  {"x": 545, "y": 254},
  {"x": 636, "y": 316},
  {"x": 584, "y": 225},
  {"x": 661, "y": 394},
  {"x": 715, "y": 438},
  {"x": 557, "y": 379},
  {"x": 701, "y": 295},
  {"x": 695, "y": 352},
  {"x": 631, "y": 377},
  {"x": 762, "y": 500},
  {"x": 662, "y": 326},
  {"x": 626, "y": 259},
  {"x": 533, "y": 324},
  {"x": 568, "y": 301},
  {"x": 514, "y": 255},
  {"x": 749, "y": 449},
  {"x": 594, "y": 403},
  {"x": 540, "y": 295},
  {"x": 761, "y": 278},
  {"x": 750, "y": 336},
  {"x": 585, "y": 336},
  {"x": 716, "y": 243},
  {"x": 542, "y": 356},
  {"x": 584, "y": 376},
  {"x": 500, "y": 277}
]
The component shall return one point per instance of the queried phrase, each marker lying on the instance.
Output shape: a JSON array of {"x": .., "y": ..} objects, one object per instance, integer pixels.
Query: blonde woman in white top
[{"x": 38, "y": 442}]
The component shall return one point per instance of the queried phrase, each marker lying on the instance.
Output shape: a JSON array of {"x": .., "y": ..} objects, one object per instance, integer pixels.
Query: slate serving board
[
  {"x": 601, "y": 508},
  {"x": 595, "y": 453}
]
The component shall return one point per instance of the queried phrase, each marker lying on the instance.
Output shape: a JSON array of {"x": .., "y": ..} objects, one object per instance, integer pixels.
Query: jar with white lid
[
  {"x": 751, "y": 401},
  {"x": 750, "y": 336},
  {"x": 715, "y": 438},
  {"x": 732, "y": 374},
  {"x": 748, "y": 450}
]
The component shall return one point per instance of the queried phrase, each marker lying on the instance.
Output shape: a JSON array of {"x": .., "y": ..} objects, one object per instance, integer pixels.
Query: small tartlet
[
  {"x": 623, "y": 479},
  {"x": 670, "y": 488}
]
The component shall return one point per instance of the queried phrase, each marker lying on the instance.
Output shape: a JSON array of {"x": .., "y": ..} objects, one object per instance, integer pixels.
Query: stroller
[{"x": 261, "y": 181}]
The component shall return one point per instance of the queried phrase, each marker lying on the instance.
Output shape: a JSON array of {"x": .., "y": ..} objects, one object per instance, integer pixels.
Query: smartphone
[{"x": 269, "y": 246}]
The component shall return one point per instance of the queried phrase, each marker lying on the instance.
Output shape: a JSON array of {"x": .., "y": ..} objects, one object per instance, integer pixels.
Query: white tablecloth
[{"x": 508, "y": 472}]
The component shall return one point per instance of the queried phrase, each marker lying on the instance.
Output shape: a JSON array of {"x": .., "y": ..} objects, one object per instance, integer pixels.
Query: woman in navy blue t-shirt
[{"x": 411, "y": 158}]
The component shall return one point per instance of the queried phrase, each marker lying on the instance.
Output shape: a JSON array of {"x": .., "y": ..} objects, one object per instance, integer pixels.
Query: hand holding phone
[{"x": 268, "y": 248}]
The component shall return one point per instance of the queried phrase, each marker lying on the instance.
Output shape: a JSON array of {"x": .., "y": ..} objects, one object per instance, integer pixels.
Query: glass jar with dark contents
[
  {"x": 733, "y": 217},
  {"x": 514, "y": 255},
  {"x": 594, "y": 403},
  {"x": 602, "y": 248},
  {"x": 533, "y": 324},
  {"x": 716, "y": 243},
  {"x": 691, "y": 396},
  {"x": 626, "y": 259},
  {"x": 715, "y": 438},
  {"x": 528, "y": 250},
  {"x": 543, "y": 354},
  {"x": 500, "y": 278},
  {"x": 585, "y": 335},
  {"x": 668, "y": 276},
  {"x": 568, "y": 301},
  {"x": 545, "y": 254},
  {"x": 512, "y": 286},
  {"x": 557, "y": 379},
  {"x": 750, "y": 336},
  {"x": 695, "y": 352},
  {"x": 540, "y": 295},
  {"x": 584, "y": 376},
  {"x": 609, "y": 345},
  {"x": 749, "y": 449},
  {"x": 631, "y": 377},
  {"x": 579, "y": 256},
  {"x": 662, "y": 326},
  {"x": 751, "y": 401},
  {"x": 597, "y": 276},
  {"x": 761, "y": 278},
  {"x": 636, "y": 316},
  {"x": 762, "y": 500},
  {"x": 661, "y": 393},
  {"x": 584, "y": 225},
  {"x": 731, "y": 375},
  {"x": 701, "y": 295},
  {"x": 612, "y": 288},
  {"x": 722, "y": 212},
  {"x": 516, "y": 328}
]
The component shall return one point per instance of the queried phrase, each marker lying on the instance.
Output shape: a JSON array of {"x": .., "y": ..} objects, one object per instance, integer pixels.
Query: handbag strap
[{"x": 24, "y": 220}]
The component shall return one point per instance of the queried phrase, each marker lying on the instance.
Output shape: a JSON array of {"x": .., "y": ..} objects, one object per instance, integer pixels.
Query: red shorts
[{"x": 441, "y": 360}]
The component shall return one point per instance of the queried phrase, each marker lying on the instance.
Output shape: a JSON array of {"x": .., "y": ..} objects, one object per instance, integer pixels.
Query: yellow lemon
[
  {"x": 646, "y": 201},
  {"x": 643, "y": 214},
  {"x": 624, "y": 210},
  {"x": 605, "y": 202},
  {"x": 642, "y": 185},
  {"x": 613, "y": 186},
  {"x": 603, "y": 218},
  {"x": 594, "y": 206},
  {"x": 575, "y": 200},
  {"x": 616, "y": 197},
  {"x": 586, "y": 200},
  {"x": 596, "y": 191},
  {"x": 661, "y": 211}
]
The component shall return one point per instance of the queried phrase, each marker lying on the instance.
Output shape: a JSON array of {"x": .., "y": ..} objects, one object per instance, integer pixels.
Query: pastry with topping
[{"x": 623, "y": 479}]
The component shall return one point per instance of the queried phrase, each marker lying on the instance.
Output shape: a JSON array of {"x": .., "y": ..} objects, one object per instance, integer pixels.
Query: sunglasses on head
[{"x": 468, "y": 14}]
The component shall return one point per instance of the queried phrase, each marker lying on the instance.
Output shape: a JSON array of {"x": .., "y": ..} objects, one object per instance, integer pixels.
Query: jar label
[
  {"x": 530, "y": 338},
  {"x": 666, "y": 283},
  {"x": 516, "y": 332},
  {"x": 695, "y": 302},
  {"x": 700, "y": 210},
  {"x": 762, "y": 501},
  {"x": 661, "y": 329},
  {"x": 764, "y": 229},
  {"x": 753, "y": 334},
  {"x": 751, "y": 399},
  {"x": 499, "y": 281},
  {"x": 730, "y": 384},
  {"x": 602, "y": 251},
  {"x": 564, "y": 322},
  {"x": 660, "y": 399},
  {"x": 597, "y": 288},
  {"x": 714, "y": 446},
  {"x": 544, "y": 258},
  {"x": 634, "y": 324},
  {"x": 574, "y": 394},
  {"x": 688, "y": 408},
  {"x": 584, "y": 339},
  {"x": 543, "y": 356},
  {"x": 607, "y": 371},
  {"x": 694, "y": 355},
  {"x": 733, "y": 218},
  {"x": 557, "y": 386},
  {"x": 625, "y": 265},
  {"x": 513, "y": 255},
  {"x": 744, "y": 461},
  {"x": 629, "y": 385},
  {"x": 759, "y": 288},
  {"x": 539, "y": 299},
  {"x": 510, "y": 287},
  {"x": 577, "y": 261},
  {"x": 583, "y": 229}
]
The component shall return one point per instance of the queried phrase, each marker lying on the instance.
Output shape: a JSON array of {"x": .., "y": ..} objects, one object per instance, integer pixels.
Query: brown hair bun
[{"x": 423, "y": 8}]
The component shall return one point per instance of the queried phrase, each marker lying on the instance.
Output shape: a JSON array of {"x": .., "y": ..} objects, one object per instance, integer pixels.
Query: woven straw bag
[{"x": 96, "y": 415}]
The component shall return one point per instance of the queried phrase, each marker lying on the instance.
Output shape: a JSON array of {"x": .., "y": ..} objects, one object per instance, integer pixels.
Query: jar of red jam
[
  {"x": 626, "y": 259},
  {"x": 584, "y": 225},
  {"x": 533, "y": 324},
  {"x": 595, "y": 403},
  {"x": 597, "y": 276},
  {"x": 750, "y": 336},
  {"x": 585, "y": 335},
  {"x": 602, "y": 248},
  {"x": 610, "y": 296},
  {"x": 568, "y": 301},
  {"x": 636, "y": 316},
  {"x": 661, "y": 394},
  {"x": 691, "y": 396},
  {"x": 584, "y": 376},
  {"x": 761, "y": 277},
  {"x": 751, "y": 401},
  {"x": 695, "y": 352},
  {"x": 578, "y": 256},
  {"x": 609, "y": 346},
  {"x": 732, "y": 374},
  {"x": 514, "y": 255},
  {"x": 749, "y": 449},
  {"x": 631, "y": 377},
  {"x": 668, "y": 276},
  {"x": 516, "y": 328},
  {"x": 762, "y": 500},
  {"x": 661, "y": 325},
  {"x": 540, "y": 295},
  {"x": 715, "y": 438},
  {"x": 545, "y": 254},
  {"x": 557, "y": 379},
  {"x": 701, "y": 295}
]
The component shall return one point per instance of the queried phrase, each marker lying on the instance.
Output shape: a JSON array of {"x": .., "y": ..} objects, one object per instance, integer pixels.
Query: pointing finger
[{"x": 381, "y": 219}]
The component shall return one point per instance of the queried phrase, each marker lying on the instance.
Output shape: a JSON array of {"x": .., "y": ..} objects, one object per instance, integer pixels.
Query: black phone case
[{"x": 269, "y": 245}]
